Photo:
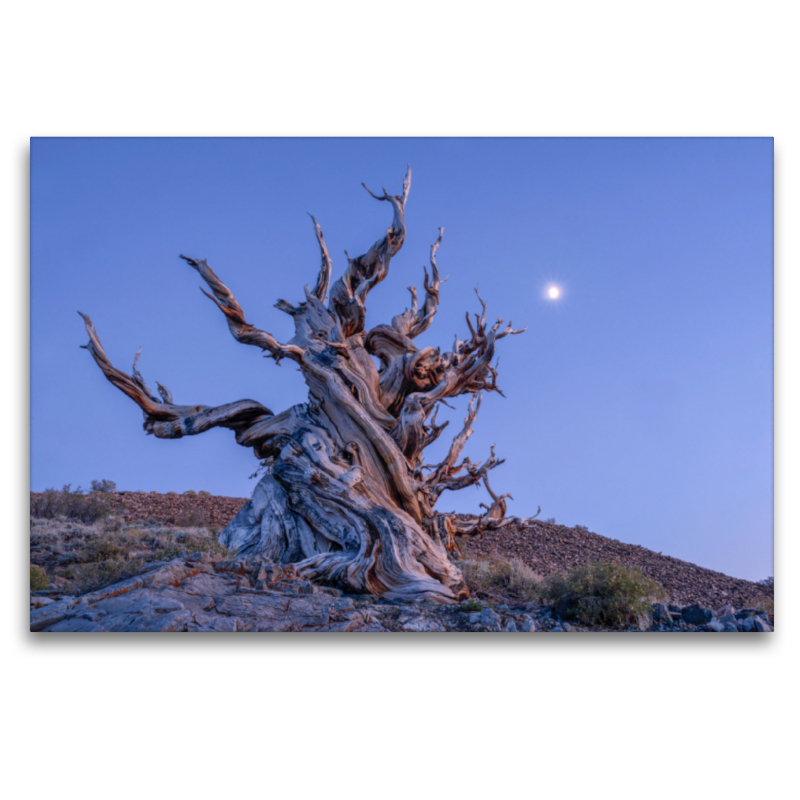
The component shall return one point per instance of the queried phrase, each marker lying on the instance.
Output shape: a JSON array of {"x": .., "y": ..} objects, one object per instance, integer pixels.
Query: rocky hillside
[
  {"x": 176, "y": 509},
  {"x": 549, "y": 548}
]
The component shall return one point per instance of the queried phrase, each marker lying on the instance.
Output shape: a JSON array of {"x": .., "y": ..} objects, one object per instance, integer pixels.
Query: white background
[{"x": 614, "y": 715}]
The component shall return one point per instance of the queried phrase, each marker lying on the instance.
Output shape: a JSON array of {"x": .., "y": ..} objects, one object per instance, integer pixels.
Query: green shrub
[
  {"x": 104, "y": 486},
  {"x": 581, "y": 528},
  {"x": 608, "y": 595},
  {"x": 102, "y": 548},
  {"x": 38, "y": 579},
  {"x": 71, "y": 503},
  {"x": 190, "y": 493},
  {"x": 96, "y": 576},
  {"x": 471, "y": 605},
  {"x": 204, "y": 494}
]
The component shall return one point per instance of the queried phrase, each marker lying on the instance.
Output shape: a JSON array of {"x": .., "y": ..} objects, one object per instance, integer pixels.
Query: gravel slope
[{"x": 549, "y": 548}]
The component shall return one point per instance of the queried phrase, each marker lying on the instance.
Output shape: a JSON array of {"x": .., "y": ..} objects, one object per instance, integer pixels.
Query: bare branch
[
  {"x": 411, "y": 322},
  {"x": 164, "y": 419},
  {"x": 241, "y": 330},
  {"x": 320, "y": 291},
  {"x": 363, "y": 273},
  {"x": 447, "y": 467}
]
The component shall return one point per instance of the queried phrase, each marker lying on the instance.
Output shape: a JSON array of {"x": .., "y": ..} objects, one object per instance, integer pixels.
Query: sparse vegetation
[
  {"x": 605, "y": 594},
  {"x": 70, "y": 503},
  {"x": 104, "y": 486},
  {"x": 551, "y": 520},
  {"x": 192, "y": 542},
  {"x": 38, "y": 578},
  {"x": 582, "y": 528},
  {"x": 768, "y": 582},
  {"x": 204, "y": 493},
  {"x": 264, "y": 467},
  {"x": 76, "y": 557},
  {"x": 190, "y": 493}
]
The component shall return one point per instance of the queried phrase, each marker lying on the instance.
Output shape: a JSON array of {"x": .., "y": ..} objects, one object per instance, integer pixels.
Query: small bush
[
  {"x": 38, "y": 579},
  {"x": 104, "y": 486},
  {"x": 768, "y": 582},
  {"x": 71, "y": 503},
  {"x": 497, "y": 577},
  {"x": 204, "y": 494},
  {"x": 103, "y": 548},
  {"x": 551, "y": 520},
  {"x": 608, "y": 595},
  {"x": 113, "y": 524},
  {"x": 172, "y": 494},
  {"x": 194, "y": 518},
  {"x": 522, "y": 577},
  {"x": 190, "y": 493},
  {"x": 471, "y": 605},
  {"x": 97, "y": 576},
  {"x": 582, "y": 528}
]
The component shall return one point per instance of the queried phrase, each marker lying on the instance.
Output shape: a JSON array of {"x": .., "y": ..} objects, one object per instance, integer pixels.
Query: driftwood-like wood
[{"x": 349, "y": 498}]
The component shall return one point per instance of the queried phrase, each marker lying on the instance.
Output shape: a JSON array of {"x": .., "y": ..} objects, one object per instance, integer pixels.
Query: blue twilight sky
[{"x": 639, "y": 403}]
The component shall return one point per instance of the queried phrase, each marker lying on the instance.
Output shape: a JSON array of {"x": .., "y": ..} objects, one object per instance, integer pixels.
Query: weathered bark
[{"x": 348, "y": 498}]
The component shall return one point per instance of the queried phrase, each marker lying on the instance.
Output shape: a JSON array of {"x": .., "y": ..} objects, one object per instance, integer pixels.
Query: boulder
[
  {"x": 661, "y": 613},
  {"x": 489, "y": 620},
  {"x": 696, "y": 615}
]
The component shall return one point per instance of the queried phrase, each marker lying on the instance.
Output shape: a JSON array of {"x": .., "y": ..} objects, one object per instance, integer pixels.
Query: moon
[{"x": 553, "y": 292}]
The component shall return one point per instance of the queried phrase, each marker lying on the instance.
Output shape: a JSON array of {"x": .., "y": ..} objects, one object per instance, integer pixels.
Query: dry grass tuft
[{"x": 498, "y": 580}]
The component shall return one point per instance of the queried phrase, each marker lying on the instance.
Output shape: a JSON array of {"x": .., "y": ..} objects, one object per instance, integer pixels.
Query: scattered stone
[
  {"x": 696, "y": 615},
  {"x": 422, "y": 625},
  {"x": 489, "y": 620}
]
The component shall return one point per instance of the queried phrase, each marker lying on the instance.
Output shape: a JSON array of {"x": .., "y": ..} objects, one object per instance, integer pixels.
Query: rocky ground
[
  {"x": 145, "y": 569},
  {"x": 203, "y": 592}
]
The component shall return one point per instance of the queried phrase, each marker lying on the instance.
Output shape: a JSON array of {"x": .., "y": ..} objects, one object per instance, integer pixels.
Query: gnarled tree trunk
[{"x": 348, "y": 498}]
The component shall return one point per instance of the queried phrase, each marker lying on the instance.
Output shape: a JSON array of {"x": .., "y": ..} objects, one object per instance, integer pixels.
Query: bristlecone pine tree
[{"x": 349, "y": 498}]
